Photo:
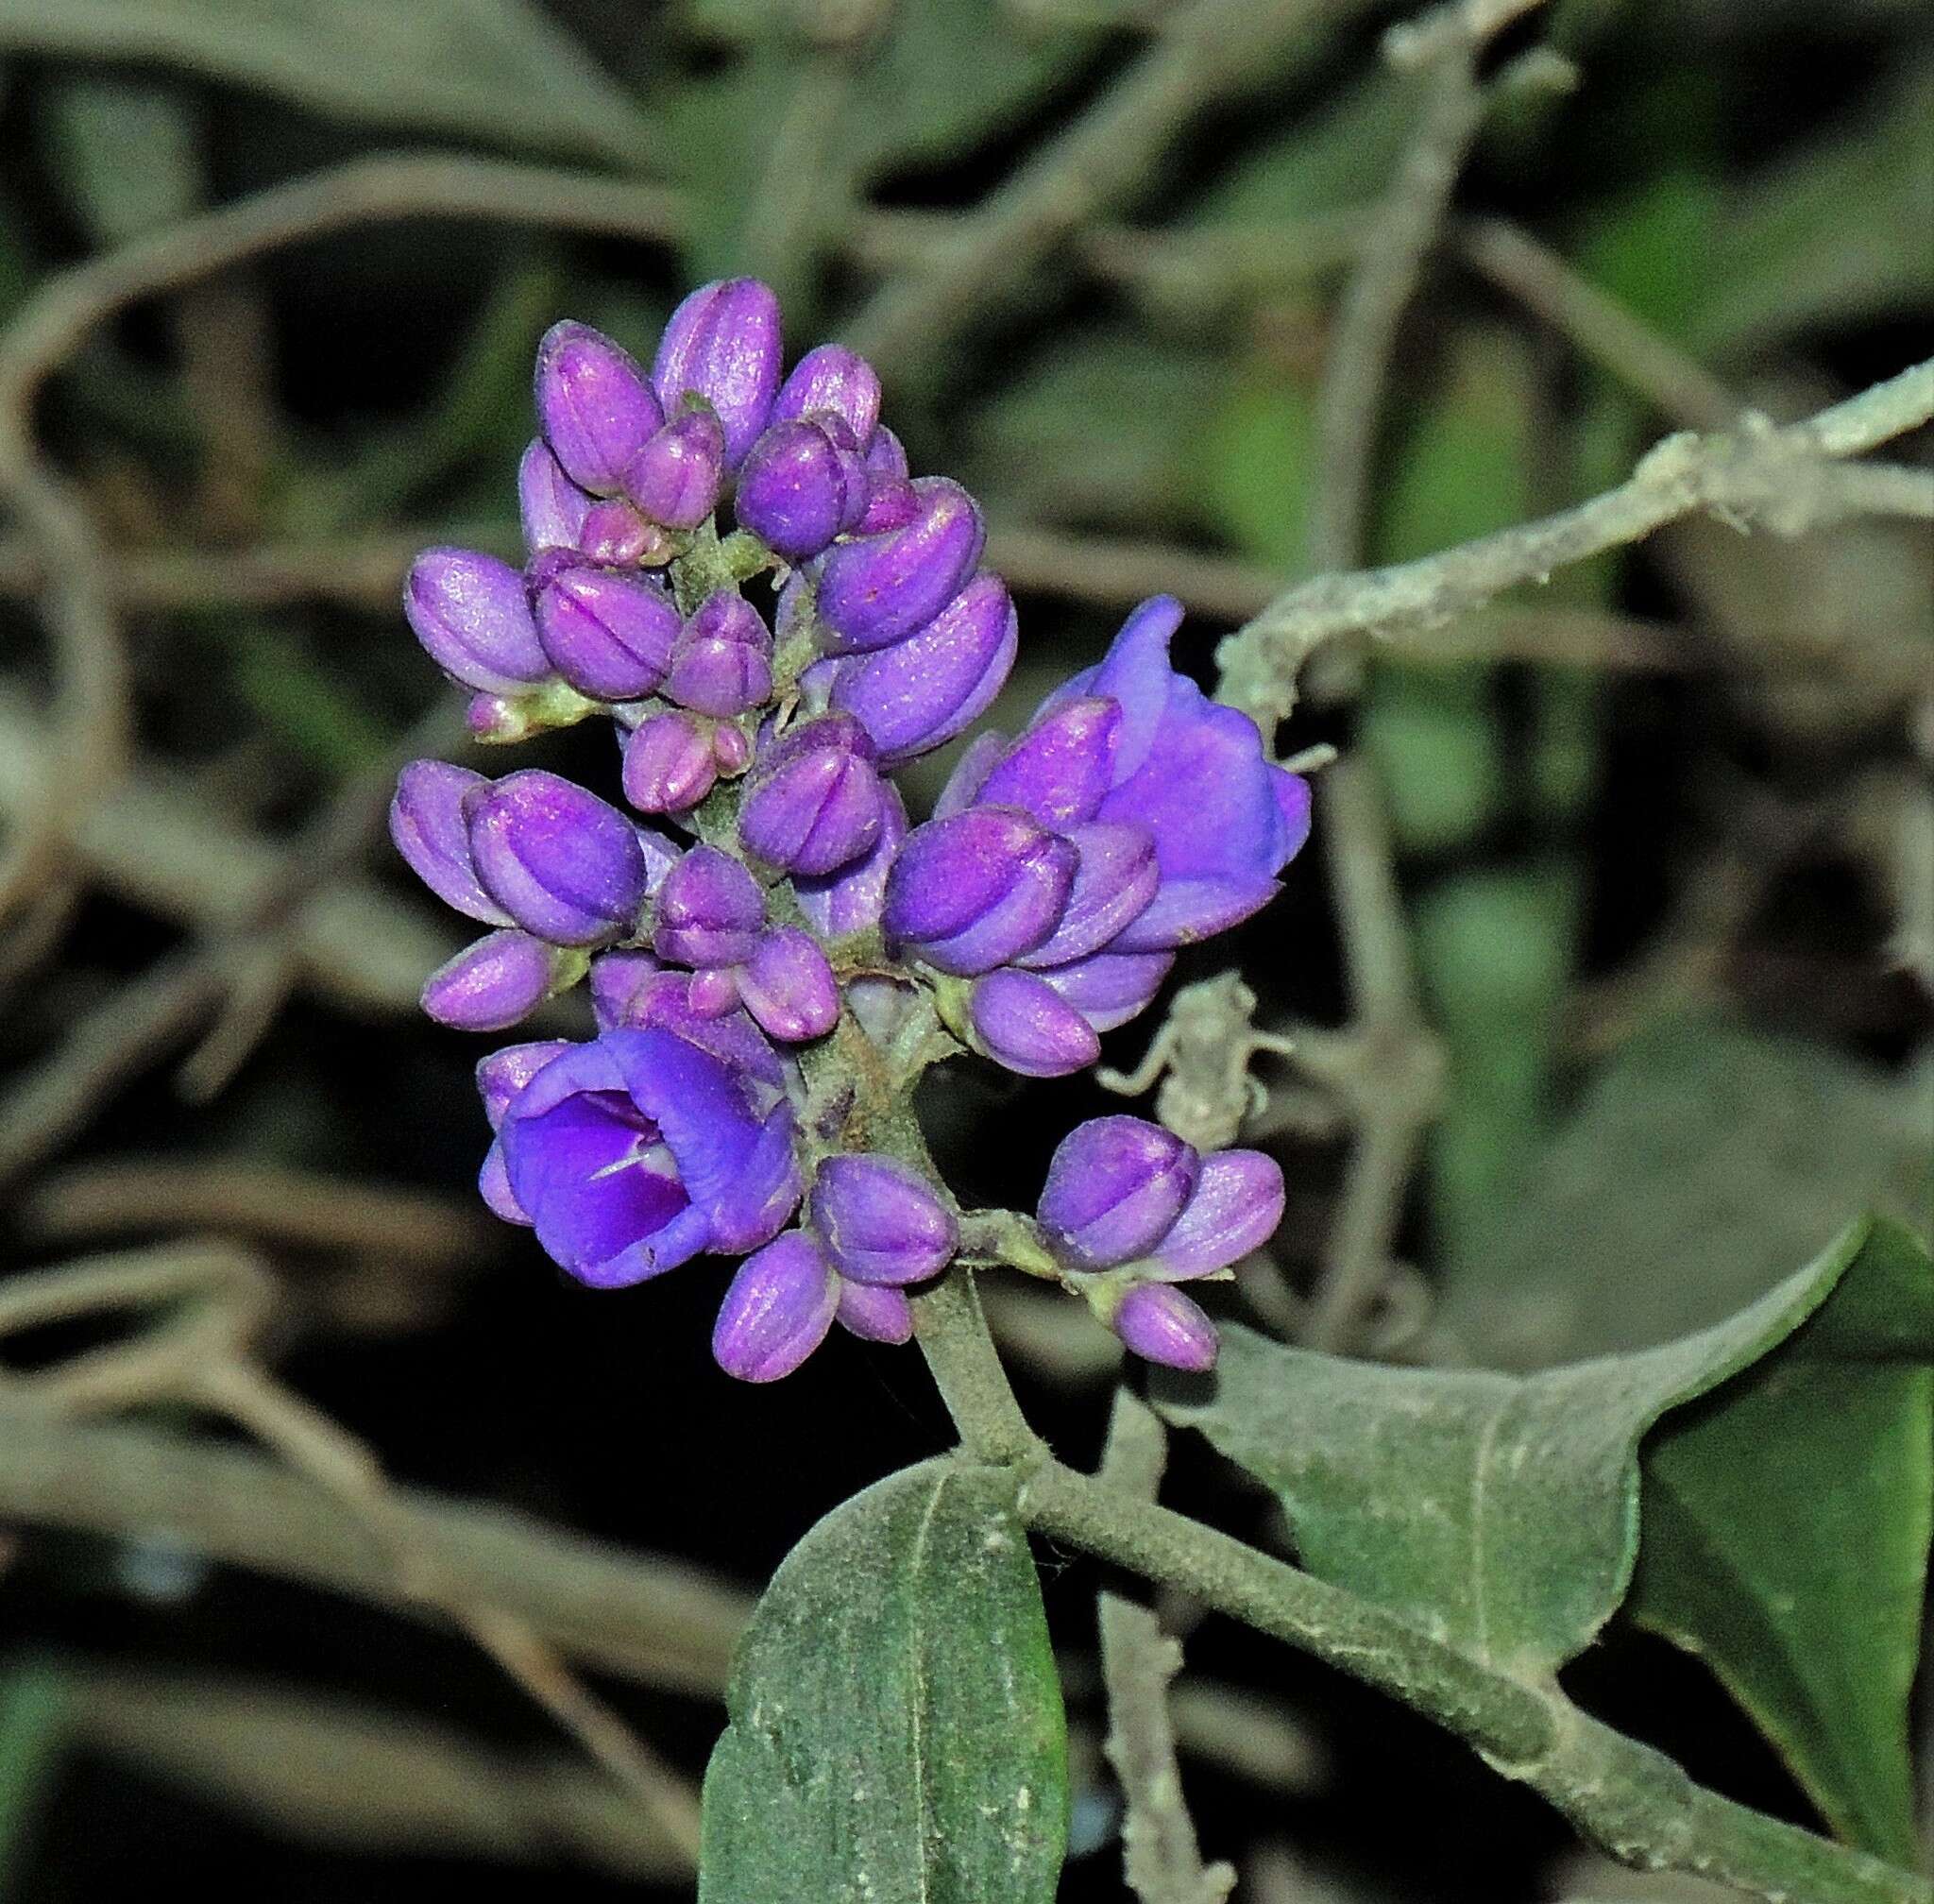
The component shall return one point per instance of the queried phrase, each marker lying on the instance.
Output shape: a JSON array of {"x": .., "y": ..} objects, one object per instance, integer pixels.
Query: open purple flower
[
  {"x": 1225, "y": 820},
  {"x": 635, "y": 1152}
]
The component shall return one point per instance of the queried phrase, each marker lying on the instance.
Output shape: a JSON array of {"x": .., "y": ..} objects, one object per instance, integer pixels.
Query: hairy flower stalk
[{"x": 767, "y": 946}]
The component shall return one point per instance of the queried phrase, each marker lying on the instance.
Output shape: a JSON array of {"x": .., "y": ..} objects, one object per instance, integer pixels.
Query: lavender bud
[
  {"x": 789, "y": 987},
  {"x": 878, "y": 590},
  {"x": 874, "y": 1313},
  {"x": 552, "y": 507},
  {"x": 800, "y": 489},
  {"x": 833, "y": 381},
  {"x": 616, "y": 981},
  {"x": 1160, "y": 1324},
  {"x": 496, "y": 982},
  {"x": 813, "y": 800},
  {"x": 710, "y": 910},
  {"x": 1235, "y": 1207},
  {"x": 891, "y": 502},
  {"x": 615, "y": 535},
  {"x": 885, "y": 458},
  {"x": 1059, "y": 770},
  {"x": 723, "y": 662},
  {"x": 1114, "y": 1188},
  {"x": 1110, "y": 988},
  {"x": 565, "y": 866},
  {"x": 676, "y": 477},
  {"x": 1022, "y": 1022},
  {"x": 426, "y": 821},
  {"x": 713, "y": 992},
  {"x": 502, "y": 1074},
  {"x": 667, "y": 764},
  {"x": 722, "y": 343},
  {"x": 776, "y": 1311},
  {"x": 1115, "y": 880},
  {"x": 921, "y": 692},
  {"x": 850, "y": 900},
  {"x": 881, "y": 1221},
  {"x": 472, "y": 614},
  {"x": 609, "y": 634},
  {"x": 968, "y": 894},
  {"x": 595, "y": 406},
  {"x": 731, "y": 749}
]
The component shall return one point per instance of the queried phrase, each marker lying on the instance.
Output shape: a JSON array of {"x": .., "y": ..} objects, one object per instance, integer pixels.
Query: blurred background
[{"x": 1623, "y": 926}]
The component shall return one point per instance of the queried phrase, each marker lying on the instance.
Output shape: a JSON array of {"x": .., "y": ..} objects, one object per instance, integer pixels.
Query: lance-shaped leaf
[
  {"x": 896, "y": 1730},
  {"x": 1498, "y": 1513},
  {"x": 1784, "y": 1537}
]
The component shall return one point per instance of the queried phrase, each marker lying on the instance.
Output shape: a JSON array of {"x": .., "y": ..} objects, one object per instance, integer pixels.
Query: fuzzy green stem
[{"x": 1633, "y": 1801}]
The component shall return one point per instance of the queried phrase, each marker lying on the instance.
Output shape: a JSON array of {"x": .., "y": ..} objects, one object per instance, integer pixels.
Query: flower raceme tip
[{"x": 760, "y": 880}]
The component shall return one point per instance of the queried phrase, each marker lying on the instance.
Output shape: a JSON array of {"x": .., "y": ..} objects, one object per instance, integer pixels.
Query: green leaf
[
  {"x": 494, "y": 70},
  {"x": 1703, "y": 1141},
  {"x": 1339, "y": 159},
  {"x": 953, "y": 74},
  {"x": 1498, "y": 1513},
  {"x": 34, "y": 1734},
  {"x": 1099, "y": 430},
  {"x": 1786, "y": 1525},
  {"x": 1836, "y": 234},
  {"x": 1260, "y": 458},
  {"x": 1496, "y": 948},
  {"x": 125, "y": 150},
  {"x": 897, "y": 1734}
]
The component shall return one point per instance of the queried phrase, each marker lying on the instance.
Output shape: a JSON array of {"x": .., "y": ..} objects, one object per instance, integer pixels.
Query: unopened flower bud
[
  {"x": 723, "y": 661},
  {"x": 608, "y": 633},
  {"x": 473, "y": 615},
  {"x": 890, "y": 501},
  {"x": 921, "y": 692},
  {"x": 833, "y": 381},
  {"x": 1059, "y": 770},
  {"x": 881, "y": 1221},
  {"x": 1115, "y": 878},
  {"x": 561, "y": 862},
  {"x": 552, "y": 507},
  {"x": 799, "y": 488},
  {"x": 969, "y": 893},
  {"x": 1114, "y": 1188},
  {"x": 877, "y": 589},
  {"x": 710, "y": 910},
  {"x": 722, "y": 343},
  {"x": 675, "y": 478},
  {"x": 732, "y": 749},
  {"x": 874, "y": 1313},
  {"x": 1022, "y": 1022},
  {"x": 1160, "y": 1324},
  {"x": 595, "y": 404},
  {"x": 789, "y": 987},
  {"x": 713, "y": 992},
  {"x": 1235, "y": 1207},
  {"x": 496, "y": 982},
  {"x": 615, "y": 982},
  {"x": 426, "y": 821},
  {"x": 851, "y": 899},
  {"x": 667, "y": 764},
  {"x": 813, "y": 800},
  {"x": 616, "y": 536},
  {"x": 776, "y": 1311}
]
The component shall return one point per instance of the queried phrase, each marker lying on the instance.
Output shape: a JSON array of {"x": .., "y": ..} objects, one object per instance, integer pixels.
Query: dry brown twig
[
  {"x": 213, "y": 1304},
  {"x": 1160, "y": 1858}
]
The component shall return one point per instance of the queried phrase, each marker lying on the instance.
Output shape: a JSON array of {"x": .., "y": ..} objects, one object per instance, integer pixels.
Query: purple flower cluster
[
  {"x": 762, "y": 856},
  {"x": 1129, "y": 1210}
]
